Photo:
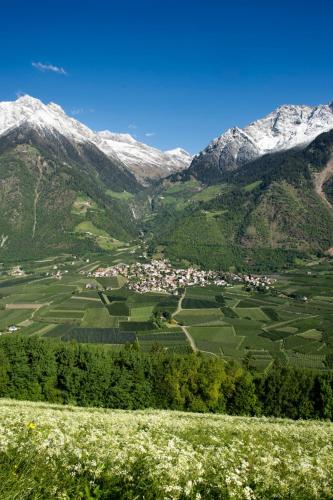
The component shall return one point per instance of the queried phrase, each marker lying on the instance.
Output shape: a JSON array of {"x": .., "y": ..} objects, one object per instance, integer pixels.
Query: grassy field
[
  {"x": 293, "y": 325},
  {"x": 218, "y": 340},
  {"x": 103, "y": 239},
  {"x": 50, "y": 451},
  {"x": 124, "y": 195}
]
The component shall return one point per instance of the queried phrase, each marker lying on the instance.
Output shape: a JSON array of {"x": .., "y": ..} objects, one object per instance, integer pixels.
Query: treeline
[{"x": 34, "y": 369}]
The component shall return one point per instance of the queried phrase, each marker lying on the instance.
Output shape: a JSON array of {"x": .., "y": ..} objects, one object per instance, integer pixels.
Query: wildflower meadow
[{"x": 63, "y": 452}]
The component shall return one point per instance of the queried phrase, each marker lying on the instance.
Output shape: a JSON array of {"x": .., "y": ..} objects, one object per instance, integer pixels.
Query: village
[{"x": 160, "y": 276}]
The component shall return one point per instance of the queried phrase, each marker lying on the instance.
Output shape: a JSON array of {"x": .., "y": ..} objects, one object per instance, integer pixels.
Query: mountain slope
[
  {"x": 264, "y": 214},
  {"x": 54, "y": 196},
  {"x": 64, "y": 150},
  {"x": 144, "y": 161},
  {"x": 285, "y": 128}
]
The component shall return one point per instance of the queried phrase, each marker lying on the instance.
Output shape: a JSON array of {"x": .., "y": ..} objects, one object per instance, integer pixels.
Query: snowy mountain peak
[
  {"x": 286, "y": 127},
  {"x": 178, "y": 151},
  {"x": 28, "y": 101},
  {"x": 121, "y": 137},
  {"x": 55, "y": 107},
  {"x": 143, "y": 161}
]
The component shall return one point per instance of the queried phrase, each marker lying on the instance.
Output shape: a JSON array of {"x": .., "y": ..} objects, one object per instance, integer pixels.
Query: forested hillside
[
  {"x": 260, "y": 217},
  {"x": 55, "y": 197}
]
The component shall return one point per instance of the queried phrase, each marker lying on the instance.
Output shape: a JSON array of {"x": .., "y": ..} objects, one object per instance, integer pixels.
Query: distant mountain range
[
  {"x": 287, "y": 127},
  {"x": 144, "y": 161},
  {"x": 255, "y": 198}
]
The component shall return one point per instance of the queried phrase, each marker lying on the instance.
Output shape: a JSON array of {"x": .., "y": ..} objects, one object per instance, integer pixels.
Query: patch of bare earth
[
  {"x": 24, "y": 306},
  {"x": 320, "y": 178}
]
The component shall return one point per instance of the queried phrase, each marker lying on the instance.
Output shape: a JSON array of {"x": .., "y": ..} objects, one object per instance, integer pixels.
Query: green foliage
[
  {"x": 99, "y": 336},
  {"x": 137, "y": 326},
  {"x": 228, "y": 312},
  {"x": 91, "y": 375},
  {"x": 118, "y": 309},
  {"x": 198, "y": 304}
]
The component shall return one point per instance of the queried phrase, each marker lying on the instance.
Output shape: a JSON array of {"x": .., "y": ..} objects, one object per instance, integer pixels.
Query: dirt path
[
  {"x": 85, "y": 298},
  {"x": 189, "y": 338},
  {"x": 321, "y": 178},
  {"x": 25, "y": 306},
  {"x": 44, "y": 329},
  {"x": 179, "y": 305},
  {"x": 3, "y": 239},
  {"x": 288, "y": 322},
  {"x": 184, "y": 328}
]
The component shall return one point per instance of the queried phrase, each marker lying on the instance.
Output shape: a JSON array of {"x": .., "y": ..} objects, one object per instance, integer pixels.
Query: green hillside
[
  {"x": 261, "y": 217},
  {"x": 59, "y": 202},
  {"x": 271, "y": 213},
  {"x": 50, "y": 451}
]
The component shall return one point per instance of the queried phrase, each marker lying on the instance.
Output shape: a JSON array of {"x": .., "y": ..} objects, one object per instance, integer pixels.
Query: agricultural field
[
  {"x": 292, "y": 323},
  {"x": 70, "y": 452},
  {"x": 88, "y": 230},
  {"x": 40, "y": 304}
]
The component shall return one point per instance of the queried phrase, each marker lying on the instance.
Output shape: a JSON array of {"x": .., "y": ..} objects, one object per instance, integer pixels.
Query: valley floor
[
  {"x": 291, "y": 322},
  {"x": 51, "y": 451}
]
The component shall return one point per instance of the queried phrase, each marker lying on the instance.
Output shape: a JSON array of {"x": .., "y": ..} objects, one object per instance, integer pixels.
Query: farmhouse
[{"x": 91, "y": 286}]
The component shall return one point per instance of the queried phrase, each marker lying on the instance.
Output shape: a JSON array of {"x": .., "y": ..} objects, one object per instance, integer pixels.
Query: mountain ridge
[
  {"x": 144, "y": 161},
  {"x": 287, "y": 127},
  {"x": 59, "y": 193}
]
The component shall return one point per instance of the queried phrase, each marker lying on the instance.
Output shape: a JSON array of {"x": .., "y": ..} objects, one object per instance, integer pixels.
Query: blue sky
[{"x": 172, "y": 73}]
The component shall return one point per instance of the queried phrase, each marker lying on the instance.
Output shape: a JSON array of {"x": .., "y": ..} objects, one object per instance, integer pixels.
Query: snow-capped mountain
[
  {"x": 144, "y": 161},
  {"x": 285, "y": 128}
]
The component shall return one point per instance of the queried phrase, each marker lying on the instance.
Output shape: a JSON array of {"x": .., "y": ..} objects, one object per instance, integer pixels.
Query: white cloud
[
  {"x": 132, "y": 126},
  {"x": 79, "y": 111},
  {"x": 149, "y": 134},
  {"x": 49, "y": 67}
]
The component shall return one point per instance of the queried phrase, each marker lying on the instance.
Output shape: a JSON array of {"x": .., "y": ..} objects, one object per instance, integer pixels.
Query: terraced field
[{"x": 292, "y": 324}]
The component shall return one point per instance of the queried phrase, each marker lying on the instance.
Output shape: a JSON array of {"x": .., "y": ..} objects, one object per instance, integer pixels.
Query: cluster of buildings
[
  {"x": 160, "y": 276},
  {"x": 255, "y": 282},
  {"x": 16, "y": 272},
  {"x": 57, "y": 273}
]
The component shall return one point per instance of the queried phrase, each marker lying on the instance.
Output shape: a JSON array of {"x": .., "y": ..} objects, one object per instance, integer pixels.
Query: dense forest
[{"x": 32, "y": 369}]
